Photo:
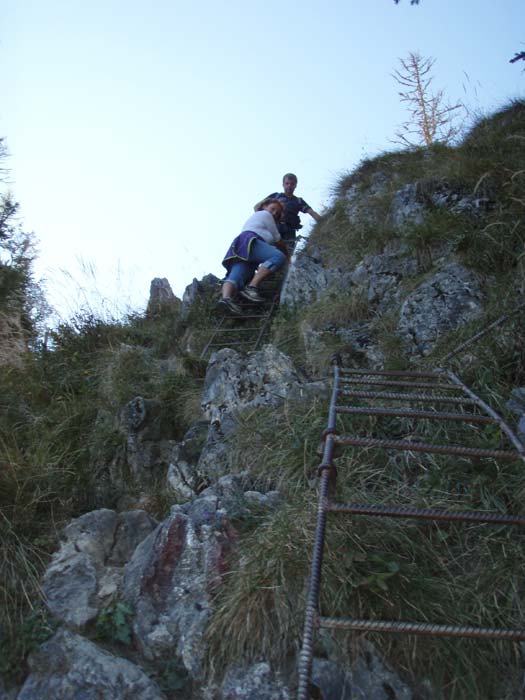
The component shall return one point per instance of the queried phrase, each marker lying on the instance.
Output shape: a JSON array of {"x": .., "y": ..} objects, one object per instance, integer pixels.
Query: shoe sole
[
  {"x": 226, "y": 310},
  {"x": 261, "y": 300}
]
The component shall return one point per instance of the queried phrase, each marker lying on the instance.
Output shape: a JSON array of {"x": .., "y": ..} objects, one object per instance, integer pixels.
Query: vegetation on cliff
[{"x": 59, "y": 436}]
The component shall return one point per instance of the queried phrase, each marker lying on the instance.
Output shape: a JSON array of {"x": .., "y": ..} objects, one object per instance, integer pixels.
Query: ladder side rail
[
  {"x": 504, "y": 427},
  {"x": 314, "y": 582}
]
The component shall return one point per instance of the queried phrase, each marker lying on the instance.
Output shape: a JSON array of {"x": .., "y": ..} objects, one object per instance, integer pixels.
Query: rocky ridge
[{"x": 169, "y": 572}]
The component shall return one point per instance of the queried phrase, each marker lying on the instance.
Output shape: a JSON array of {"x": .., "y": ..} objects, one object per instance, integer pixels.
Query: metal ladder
[
  {"x": 381, "y": 388},
  {"x": 247, "y": 332}
]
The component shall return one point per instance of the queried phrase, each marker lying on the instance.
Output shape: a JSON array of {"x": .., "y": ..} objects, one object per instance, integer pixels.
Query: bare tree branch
[{"x": 518, "y": 57}]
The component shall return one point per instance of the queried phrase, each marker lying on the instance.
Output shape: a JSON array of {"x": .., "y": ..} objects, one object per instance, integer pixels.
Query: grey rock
[
  {"x": 307, "y": 280},
  {"x": 69, "y": 667},
  {"x": 141, "y": 417},
  {"x": 235, "y": 382},
  {"x": 214, "y": 460},
  {"x": 333, "y": 682},
  {"x": 193, "y": 440},
  {"x": 198, "y": 289},
  {"x": 256, "y": 497},
  {"x": 87, "y": 568},
  {"x": 361, "y": 204},
  {"x": 354, "y": 344},
  {"x": 374, "y": 677},
  {"x": 407, "y": 208},
  {"x": 381, "y": 275},
  {"x": 93, "y": 533},
  {"x": 370, "y": 678},
  {"x": 161, "y": 297},
  {"x": 444, "y": 302},
  {"x": 131, "y": 528},
  {"x": 516, "y": 404},
  {"x": 70, "y": 587},
  {"x": 139, "y": 420},
  {"x": 255, "y": 682},
  {"x": 182, "y": 477},
  {"x": 171, "y": 579}
]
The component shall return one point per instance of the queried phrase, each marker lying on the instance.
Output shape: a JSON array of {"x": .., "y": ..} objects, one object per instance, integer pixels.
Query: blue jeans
[{"x": 262, "y": 254}]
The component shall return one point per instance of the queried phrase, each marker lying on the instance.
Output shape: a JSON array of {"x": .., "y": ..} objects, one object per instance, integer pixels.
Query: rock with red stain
[{"x": 171, "y": 580}]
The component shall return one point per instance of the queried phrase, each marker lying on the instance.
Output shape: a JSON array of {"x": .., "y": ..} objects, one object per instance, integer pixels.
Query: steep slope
[{"x": 193, "y": 485}]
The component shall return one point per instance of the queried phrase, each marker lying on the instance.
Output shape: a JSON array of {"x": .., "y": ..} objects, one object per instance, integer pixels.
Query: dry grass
[{"x": 452, "y": 574}]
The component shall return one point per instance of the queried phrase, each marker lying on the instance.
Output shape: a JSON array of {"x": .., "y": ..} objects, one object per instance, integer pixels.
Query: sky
[{"x": 142, "y": 134}]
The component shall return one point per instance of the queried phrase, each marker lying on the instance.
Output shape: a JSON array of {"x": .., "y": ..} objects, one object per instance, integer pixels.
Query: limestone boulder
[
  {"x": 254, "y": 682},
  {"x": 162, "y": 298},
  {"x": 450, "y": 298},
  {"x": 308, "y": 280},
  {"x": 370, "y": 677},
  {"x": 380, "y": 275},
  {"x": 69, "y": 667},
  {"x": 407, "y": 207},
  {"x": 140, "y": 422},
  {"x": 236, "y": 382},
  {"x": 183, "y": 476},
  {"x": 86, "y": 571},
  {"x": 198, "y": 289},
  {"x": 171, "y": 579}
]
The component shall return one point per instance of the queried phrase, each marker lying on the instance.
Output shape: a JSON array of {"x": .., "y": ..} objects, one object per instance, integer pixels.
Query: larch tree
[{"x": 432, "y": 118}]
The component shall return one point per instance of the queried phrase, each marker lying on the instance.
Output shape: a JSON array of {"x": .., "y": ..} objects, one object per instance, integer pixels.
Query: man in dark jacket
[{"x": 290, "y": 222}]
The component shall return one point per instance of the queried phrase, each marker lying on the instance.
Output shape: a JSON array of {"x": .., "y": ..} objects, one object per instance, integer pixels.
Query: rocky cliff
[{"x": 183, "y": 573}]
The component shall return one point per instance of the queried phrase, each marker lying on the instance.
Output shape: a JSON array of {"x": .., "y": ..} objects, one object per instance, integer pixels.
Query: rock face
[
  {"x": 197, "y": 289},
  {"x": 86, "y": 571},
  {"x": 170, "y": 572},
  {"x": 236, "y": 382},
  {"x": 139, "y": 421},
  {"x": 368, "y": 678},
  {"x": 450, "y": 298},
  {"x": 182, "y": 459},
  {"x": 68, "y": 666},
  {"x": 255, "y": 682},
  {"x": 161, "y": 297},
  {"x": 171, "y": 578},
  {"x": 307, "y": 280},
  {"x": 380, "y": 275}
]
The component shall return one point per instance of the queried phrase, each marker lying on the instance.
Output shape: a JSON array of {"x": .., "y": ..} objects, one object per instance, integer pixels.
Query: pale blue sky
[{"x": 141, "y": 134}]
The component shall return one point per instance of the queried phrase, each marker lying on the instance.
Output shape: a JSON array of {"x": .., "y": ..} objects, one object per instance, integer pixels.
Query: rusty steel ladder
[
  {"x": 401, "y": 388},
  {"x": 246, "y": 332}
]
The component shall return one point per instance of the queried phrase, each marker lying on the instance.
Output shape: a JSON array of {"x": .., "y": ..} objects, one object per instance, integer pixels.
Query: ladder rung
[
  {"x": 413, "y": 413},
  {"x": 425, "y": 513},
  {"x": 246, "y": 317},
  {"x": 410, "y": 446},
  {"x": 395, "y": 396},
  {"x": 391, "y": 373},
  {"x": 422, "y": 628},
  {"x": 241, "y": 329},
  {"x": 397, "y": 382}
]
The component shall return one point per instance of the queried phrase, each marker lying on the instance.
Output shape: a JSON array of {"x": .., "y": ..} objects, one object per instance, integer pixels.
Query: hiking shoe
[
  {"x": 252, "y": 294},
  {"x": 228, "y": 307}
]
